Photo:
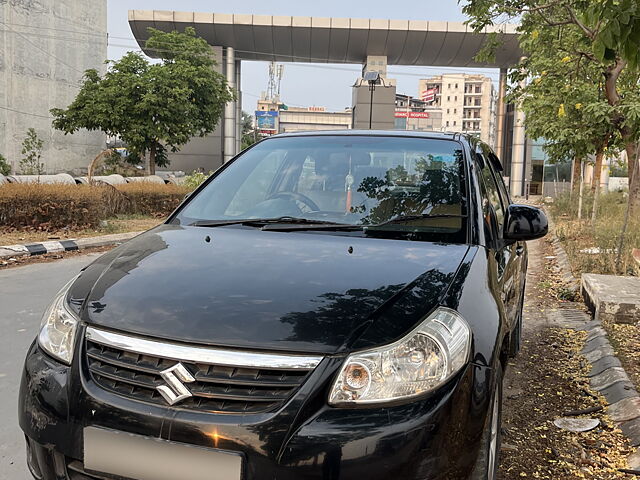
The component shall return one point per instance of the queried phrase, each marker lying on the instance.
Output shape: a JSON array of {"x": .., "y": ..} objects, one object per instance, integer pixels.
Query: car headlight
[
  {"x": 58, "y": 329},
  {"x": 418, "y": 363}
]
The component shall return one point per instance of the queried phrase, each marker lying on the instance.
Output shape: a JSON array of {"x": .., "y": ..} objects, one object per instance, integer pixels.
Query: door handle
[{"x": 519, "y": 250}]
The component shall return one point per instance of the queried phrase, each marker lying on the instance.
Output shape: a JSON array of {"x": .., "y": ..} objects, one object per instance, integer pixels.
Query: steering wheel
[{"x": 306, "y": 201}]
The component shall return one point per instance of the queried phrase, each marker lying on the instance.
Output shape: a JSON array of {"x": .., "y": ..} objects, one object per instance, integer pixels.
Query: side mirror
[{"x": 525, "y": 223}]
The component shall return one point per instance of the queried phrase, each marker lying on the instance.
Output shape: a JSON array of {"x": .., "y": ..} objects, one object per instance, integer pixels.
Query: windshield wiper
[
  {"x": 410, "y": 218},
  {"x": 262, "y": 222}
]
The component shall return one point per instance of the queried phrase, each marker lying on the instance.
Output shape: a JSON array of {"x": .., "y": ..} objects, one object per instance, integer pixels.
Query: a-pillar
[
  {"x": 501, "y": 116},
  {"x": 239, "y": 106},
  {"x": 516, "y": 178},
  {"x": 230, "y": 126}
]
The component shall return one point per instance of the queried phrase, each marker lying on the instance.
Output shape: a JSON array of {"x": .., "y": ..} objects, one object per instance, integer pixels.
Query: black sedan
[{"x": 338, "y": 305}]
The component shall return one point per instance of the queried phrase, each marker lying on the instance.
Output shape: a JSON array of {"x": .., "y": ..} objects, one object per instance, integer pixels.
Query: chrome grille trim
[{"x": 206, "y": 355}]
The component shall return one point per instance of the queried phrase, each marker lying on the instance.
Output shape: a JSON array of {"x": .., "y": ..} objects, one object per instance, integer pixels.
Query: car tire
[{"x": 486, "y": 467}]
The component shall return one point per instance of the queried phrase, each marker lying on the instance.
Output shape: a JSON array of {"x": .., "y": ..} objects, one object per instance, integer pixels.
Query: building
[
  {"x": 414, "y": 114},
  {"x": 467, "y": 102},
  {"x": 272, "y": 116},
  {"x": 45, "y": 48}
]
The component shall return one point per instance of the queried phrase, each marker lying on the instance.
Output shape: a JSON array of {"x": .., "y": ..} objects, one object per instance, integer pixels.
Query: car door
[{"x": 505, "y": 253}]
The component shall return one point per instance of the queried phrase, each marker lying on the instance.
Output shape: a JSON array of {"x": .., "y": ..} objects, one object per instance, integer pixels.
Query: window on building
[
  {"x": 454, "y": 123},
  {"x": 448, "y": 98},
  {"x": 478, "y": 88},
  {"x": 449, "y": 86},
  {"x": 456, "y": 86},
  {"x": 455, "y": 111},
  {"x": 447, "y": 111},
  {"x": 447, "y": 123},
  {"x": 455, "y": 99}
]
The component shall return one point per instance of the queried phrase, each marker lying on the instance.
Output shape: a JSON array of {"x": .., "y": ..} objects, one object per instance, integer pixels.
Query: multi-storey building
[
  {"x": 467, "y": 102},
  {"x": 414, "y": 114},
  {"x": 272, "y": 117}
]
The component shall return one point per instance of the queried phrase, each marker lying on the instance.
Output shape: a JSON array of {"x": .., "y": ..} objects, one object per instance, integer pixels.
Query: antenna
[{"x": 275, "y": 77}]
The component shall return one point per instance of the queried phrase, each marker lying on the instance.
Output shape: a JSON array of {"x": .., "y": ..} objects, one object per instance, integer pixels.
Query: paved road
[{"x": 25, "y": 292}]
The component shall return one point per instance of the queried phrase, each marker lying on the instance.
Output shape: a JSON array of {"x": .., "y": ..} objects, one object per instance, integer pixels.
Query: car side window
[
  {"x": 493, "y": 196},
  {"x": 502, "y": 188}
]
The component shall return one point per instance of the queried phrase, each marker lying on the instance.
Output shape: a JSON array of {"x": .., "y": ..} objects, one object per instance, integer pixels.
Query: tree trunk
[
  {"x": 597, "y": 171},
  {"x": 151, "y": 170},
  {"x": 580, "y": 191},
  {"x": 575, "y": 177},
  {"x": 633, "y": 161}
]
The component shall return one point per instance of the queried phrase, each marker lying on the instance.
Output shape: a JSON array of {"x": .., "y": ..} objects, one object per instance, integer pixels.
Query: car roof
[{"x": 378, "y": 133}]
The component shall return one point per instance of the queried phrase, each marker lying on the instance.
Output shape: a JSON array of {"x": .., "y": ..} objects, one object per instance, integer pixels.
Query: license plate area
[{"x": 144, "y": 458}]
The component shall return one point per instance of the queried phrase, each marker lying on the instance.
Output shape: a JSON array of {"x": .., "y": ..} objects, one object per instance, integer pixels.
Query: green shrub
[
  {"x": 32, "y": 151},
  {"x": 196, "y": 179},
  {"x": 5, "y": 168}
]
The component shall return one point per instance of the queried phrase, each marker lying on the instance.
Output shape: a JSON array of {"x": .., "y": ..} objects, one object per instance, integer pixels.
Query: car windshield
[{"x": 401, "y": 182}]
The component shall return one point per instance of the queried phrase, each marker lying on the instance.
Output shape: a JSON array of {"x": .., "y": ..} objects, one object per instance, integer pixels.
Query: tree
[
  {"x": 5, "y": 168},
  {"x": 152, "y": 107},
  {"x": 249, "y": 133},
  {"x": 32, "y": 151},
  {"x": 602, "y": 37}
]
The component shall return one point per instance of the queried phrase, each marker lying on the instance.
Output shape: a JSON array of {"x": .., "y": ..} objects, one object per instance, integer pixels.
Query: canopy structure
[{"x": 335, "y": 40}]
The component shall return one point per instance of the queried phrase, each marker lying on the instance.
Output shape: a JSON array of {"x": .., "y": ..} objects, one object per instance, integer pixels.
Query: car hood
[{"x": 248, "y": 288}]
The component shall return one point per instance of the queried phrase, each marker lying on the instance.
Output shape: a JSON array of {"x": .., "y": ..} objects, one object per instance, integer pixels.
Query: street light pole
[
  {"x": 372, "y": 87},
  {"x": 372, "y": 78}
]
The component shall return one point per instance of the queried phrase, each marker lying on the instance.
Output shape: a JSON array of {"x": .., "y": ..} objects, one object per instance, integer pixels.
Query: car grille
[{"x": 217, "y": 388}]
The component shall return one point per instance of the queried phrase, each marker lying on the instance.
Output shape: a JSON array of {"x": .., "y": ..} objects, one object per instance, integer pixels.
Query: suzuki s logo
[{"x": 175, "y": 377}]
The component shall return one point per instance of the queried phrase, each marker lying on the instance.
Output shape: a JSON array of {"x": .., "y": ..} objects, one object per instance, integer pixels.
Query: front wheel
[{"x": 486, "y": 467}]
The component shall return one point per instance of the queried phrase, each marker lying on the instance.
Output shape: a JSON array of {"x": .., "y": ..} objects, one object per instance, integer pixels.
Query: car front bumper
[{"x": 436, "y": 437}]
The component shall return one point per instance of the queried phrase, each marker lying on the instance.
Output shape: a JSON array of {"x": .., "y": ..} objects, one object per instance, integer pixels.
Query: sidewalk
[{"x": 31, "y": 249}]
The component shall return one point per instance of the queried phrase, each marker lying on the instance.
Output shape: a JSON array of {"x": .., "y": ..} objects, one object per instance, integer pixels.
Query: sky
[{"x": 324, "y": 85}]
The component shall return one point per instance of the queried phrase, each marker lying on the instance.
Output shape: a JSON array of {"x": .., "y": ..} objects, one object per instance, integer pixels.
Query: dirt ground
[
  {"x": 546, "y": 381},
  {"x": 119, "y": 224}
]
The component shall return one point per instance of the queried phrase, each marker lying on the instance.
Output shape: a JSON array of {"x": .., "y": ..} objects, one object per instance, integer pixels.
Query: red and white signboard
[
  {"x": 400, "y": 114},
  {"x": 428, "y": 95}
]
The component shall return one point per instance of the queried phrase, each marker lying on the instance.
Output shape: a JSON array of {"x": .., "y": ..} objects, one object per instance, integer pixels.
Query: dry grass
[
  {"x": 55, "y": 208},
  {"x": 601, "y": 238},
  {"x": 118, "y": 224}
]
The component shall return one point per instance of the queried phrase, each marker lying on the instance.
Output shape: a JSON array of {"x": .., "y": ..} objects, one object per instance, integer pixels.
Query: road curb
[
  {"x": 53, "y": 246},
  {"x": 607, "y": 375}
]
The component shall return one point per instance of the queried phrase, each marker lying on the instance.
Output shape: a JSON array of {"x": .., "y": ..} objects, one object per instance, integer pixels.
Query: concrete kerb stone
[
  {"x": 619, "y": 391},
  {"x": 596, "y": 332},
  {"x": 631, "y": 430},
  {"x": 598, "y": 353},
  {"x": 597, "y": 342},
  {"x": 32, "y": 249},
  {"x": 625, "y": 409},
  {"x": 604, "y": 363},
  {"x": 608, "y": 378},
  {"x": 563, "y": 260}
]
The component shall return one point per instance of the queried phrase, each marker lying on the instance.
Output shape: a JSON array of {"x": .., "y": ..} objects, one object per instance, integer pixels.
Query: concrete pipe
[
  {"x": 113, "y": 180},
  {"x": 147, "y": 179},
  {"x": 175, "y": 180},
  {"x": 60, "y": 178}
]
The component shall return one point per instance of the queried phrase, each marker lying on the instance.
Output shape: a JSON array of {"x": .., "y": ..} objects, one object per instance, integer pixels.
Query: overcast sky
[{"x": 303, "y": 84}]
